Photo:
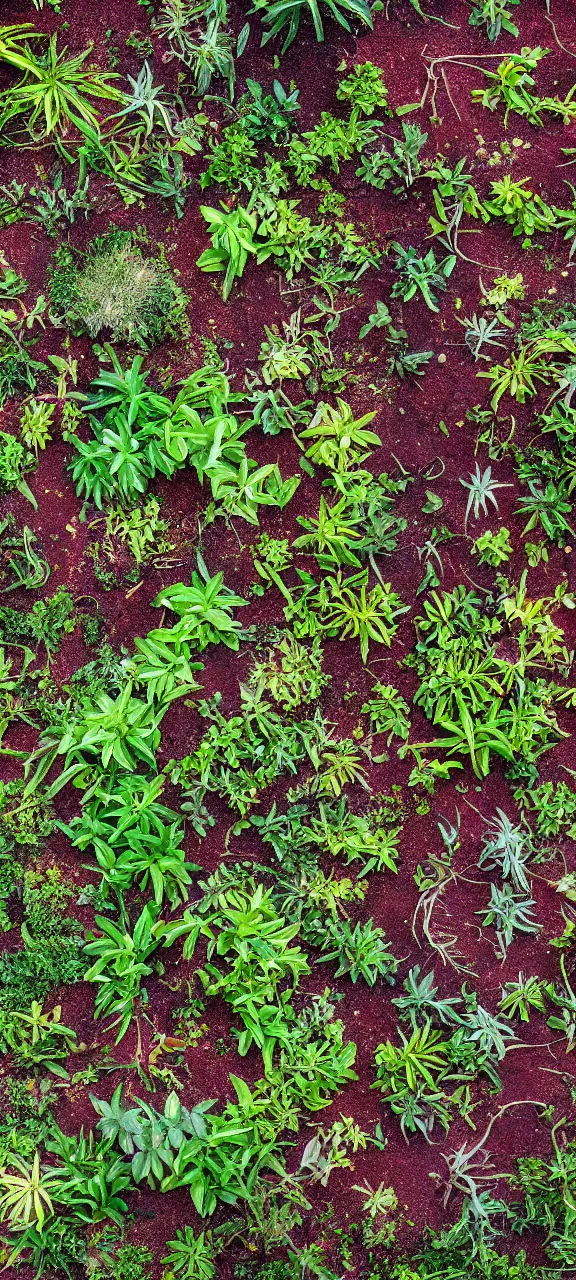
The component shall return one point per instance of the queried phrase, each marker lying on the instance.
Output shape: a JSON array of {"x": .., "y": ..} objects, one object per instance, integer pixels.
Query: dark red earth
[{"x": 408, "y": 418}]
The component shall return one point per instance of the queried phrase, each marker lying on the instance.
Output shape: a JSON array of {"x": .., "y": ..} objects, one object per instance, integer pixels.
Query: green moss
[
  {"x": 51, "y": 954},
  {"x": 118, "y": 291},
  {"x": 25, "y": 1117}
]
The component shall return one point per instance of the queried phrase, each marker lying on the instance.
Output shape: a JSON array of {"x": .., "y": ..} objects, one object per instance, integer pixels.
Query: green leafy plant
[
  {"x": 61, "y": 1243},
  {"x": 191, "y": 1256},
  {"x": 37, "y": 1039},
  {"x": 410, "y": 1077},
  {"x": 547, "y": 1189},
  {"x": 269, "y": 554},
  {"x": 402, "y": 164},
  {"x": 240, "y": 491},
  {"x": 519, "y": 998},
  {"x": 521, "y": 208},
  {"x": 278, "y": 14},
  {"x": 389, "y": 712},
  {"x": 207, "y": 52},
  {"x": 145, "y": 101},
  {"x": 35, "y": 425},
  {"x": 519, "y": 376},
  {"x": 120, "y": 965},
  {"x": 218, "y": 1157},
  {"x": 142, "y": 530},
  {"x": 423, "y": 275},
  {"x": 28, "y": 1117},
  {"x": 508, "y": 848},
  {"x": 50, "y": 954},
  {"x": 25, "y": 1195},
  {"x": 495, "y": 16},
  {"x": 54, "y": 91},
  {"x": 401, "y": 361},
  {"x": 134, "y": 838},
  {"x": 469, "y": 694},
  {"x": 493, "y": 548},
  {"x": 480, "y": 332},
  {"x": 162, "y": 666},
  {"x": 511, "y": 85},
  {"x": 204, "y": 610},
  {"x": 46, "y": 623},
  {"x": 15, "y": 460},
  {"x": 353, "y": 610},
  {"x": 508, "y": 911},
  {"x": 340, "y": 441},
  {"x": 122, "y": 729},
  {"x": 564, "y": 998},
  {"x": 316, "y": 1060},
  {"x": 553, "y": 806},
  {"x": 233, "y": 235},
  {"x": 23, "y": 560},
  {"x": 504, "y": 288},
  {"x": 240, "y": 755},
  {"x": 142, "y": 434},
  {"x": 268, "y": 116},
  {"x": 331, "y": 536},
  {"x": 379, "y": 1203},
  {"x": 421, "y": 1002},
  {"x": 481, "y": 490},
  {"x": 254, "y": 940},
  {"x": 55, "y": 208},
  {"x": 364, "y": 89},
  {"x": 90, "y": 1178},
  {"x": 150, "y": 1138},
  {"x": 132, "y": 1262},
  {"x": 361, "y": 952},
  {"x": 18, "y": 371},
  {"x": 292, "y": 673},
  {"x": 546, "y": 507}
]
